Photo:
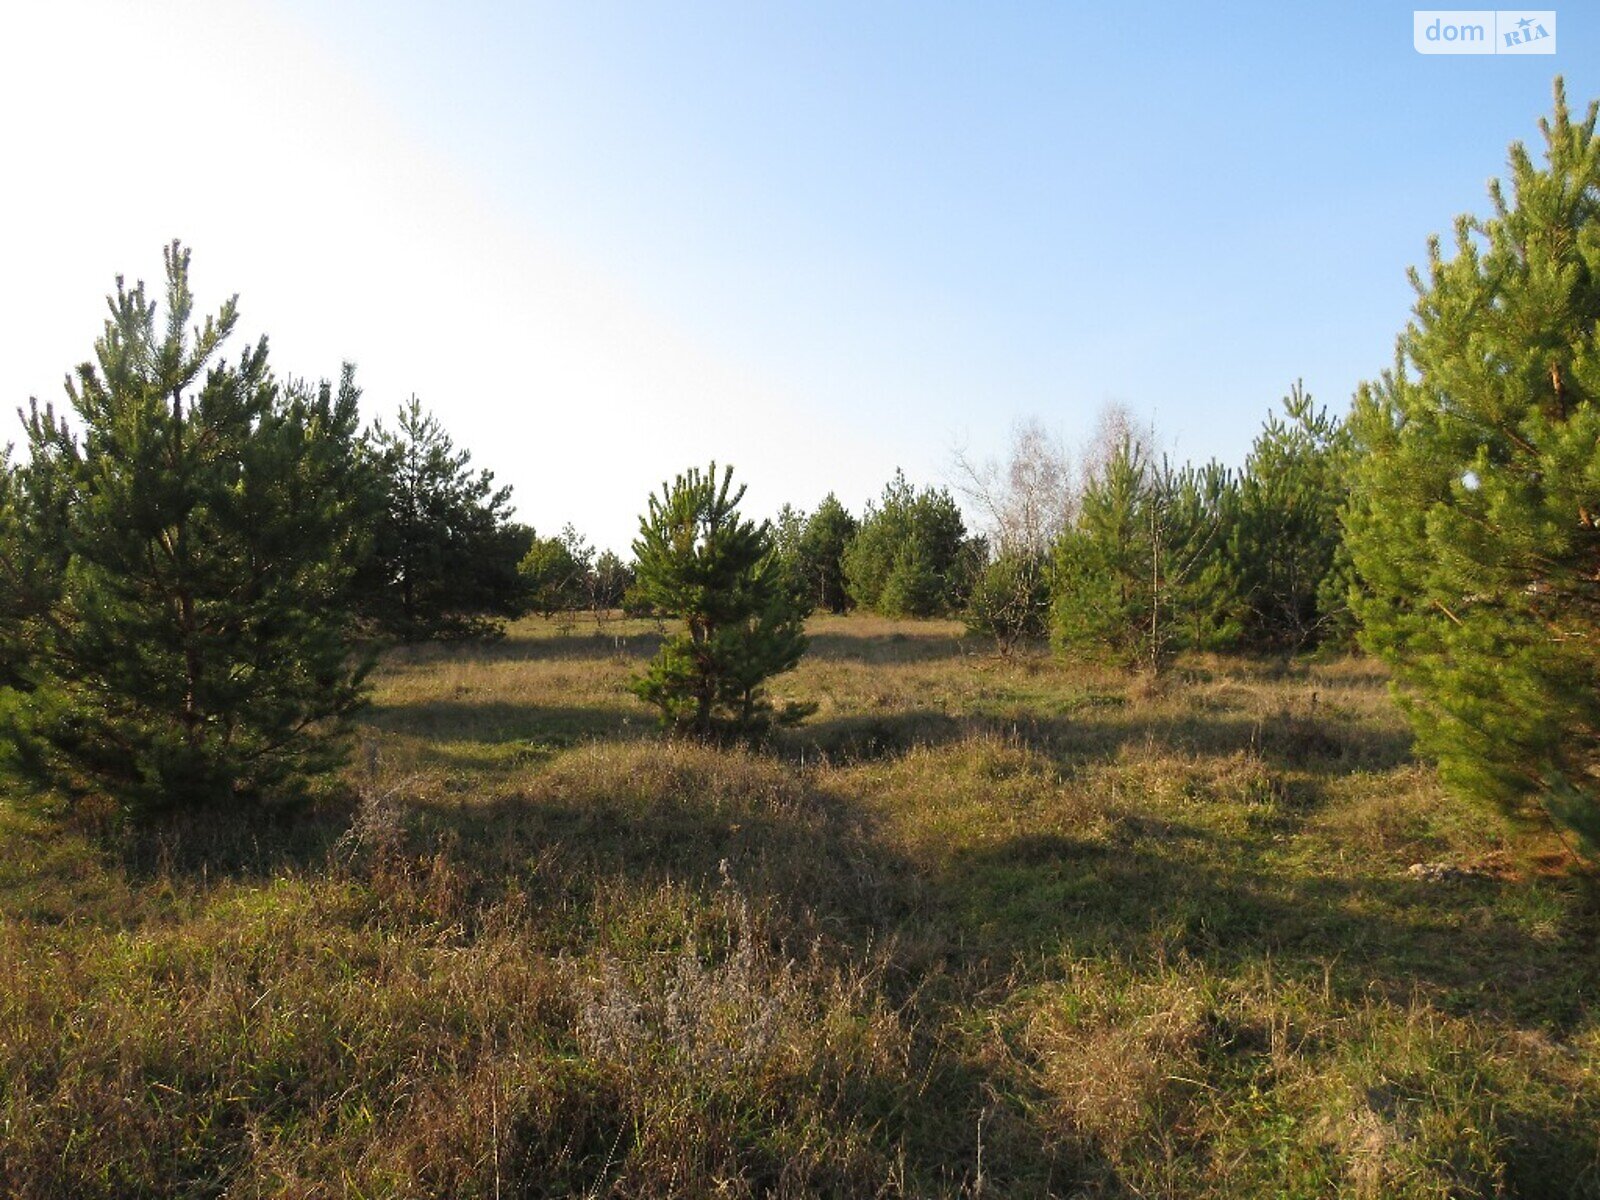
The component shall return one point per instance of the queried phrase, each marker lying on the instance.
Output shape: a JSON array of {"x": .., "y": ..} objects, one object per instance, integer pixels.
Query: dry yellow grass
[{"x": 979, "y": 927}]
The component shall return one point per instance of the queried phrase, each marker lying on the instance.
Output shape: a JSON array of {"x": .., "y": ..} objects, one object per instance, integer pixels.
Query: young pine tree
[
  {"x": 1286, "y": 540},
  {"x": 700, "y": 561},
  {"x": 787, "y": 529},
  {"x": 1140, "y": 572},
  {"x": 175, "y": 583},
  {"x": 1204, "y": 605},
  {"x": 1474, "y": 522},
  {"x": 34, "y": 504},
  {"x": 1101, "y": 603}
]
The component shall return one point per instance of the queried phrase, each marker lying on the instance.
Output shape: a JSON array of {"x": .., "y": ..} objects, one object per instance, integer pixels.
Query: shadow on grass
[
  {"x": 1171, "y": 888},
  {"x": 898, "y": 648},
  {"x": 468, "y": 735},
  {"x": 636, "y": 639},
  {"x": 1284, "y": 740},
  {"x": 813, "y": 854},
  {"x": 591, "y": 645},
  {"x": 595, "y": 645},
  {"x": 966, "y": 921},
  {"x": 1094, "y": 732},
  {"x": 873, "y": 736},
  {"x": 1147, "y": 884},
  {"x": 961, "y": 922},
  {"x": 499, "y": 721},
  {"x": 810, "y": 855},
  {"x": 249, "y": 843}
]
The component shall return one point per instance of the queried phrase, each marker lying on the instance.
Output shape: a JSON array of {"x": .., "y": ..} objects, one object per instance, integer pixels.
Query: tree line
[{"x": 194, "y": 574}]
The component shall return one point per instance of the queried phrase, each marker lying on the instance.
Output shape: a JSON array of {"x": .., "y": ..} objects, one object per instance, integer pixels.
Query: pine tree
[
  {"x": 446, "y": 552},
  {"x": 175, "y": 583},
  {"x": 821, "y": 549},
  {"x": 788, "y": 528},
  {"x": 1140, "y": 573},
  {"x": 1101, "y": 574},
  {"x": 1287, "y": 537},
  {"x": 1206, "y": 608},
  {"x": 1475, "y": 518},
  {"x": 700, "y": 561},
  {"x": 35, "y": 501},
  {"x": 910, "y": 557}
]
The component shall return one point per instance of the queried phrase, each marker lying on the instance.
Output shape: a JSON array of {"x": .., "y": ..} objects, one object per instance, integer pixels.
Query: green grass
[{"x": 978, "y": 927}]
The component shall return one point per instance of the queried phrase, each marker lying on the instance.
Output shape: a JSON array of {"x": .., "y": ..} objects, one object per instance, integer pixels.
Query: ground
[{"x": 978, "y": 927}]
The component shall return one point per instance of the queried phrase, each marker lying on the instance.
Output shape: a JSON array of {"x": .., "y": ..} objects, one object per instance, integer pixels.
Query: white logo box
[{"x": 1484, "y": 31}]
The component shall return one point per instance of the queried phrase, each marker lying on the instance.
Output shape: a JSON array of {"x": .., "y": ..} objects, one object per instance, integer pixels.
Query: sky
[{"x": 605, "y": 242}]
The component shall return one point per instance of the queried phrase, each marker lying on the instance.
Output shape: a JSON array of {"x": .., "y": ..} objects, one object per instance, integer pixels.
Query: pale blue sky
[{"x": 606, "y": 241}]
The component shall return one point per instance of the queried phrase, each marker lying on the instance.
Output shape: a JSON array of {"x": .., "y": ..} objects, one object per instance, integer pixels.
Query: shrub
[{"x": 1010, "y": 601}]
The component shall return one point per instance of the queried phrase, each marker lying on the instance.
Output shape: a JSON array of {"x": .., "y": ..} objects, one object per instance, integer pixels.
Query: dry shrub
[{"x": 719, "y": 1020}]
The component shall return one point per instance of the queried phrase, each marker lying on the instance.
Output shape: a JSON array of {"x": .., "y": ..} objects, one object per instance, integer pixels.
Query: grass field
[{"x": 979, "y": 927}]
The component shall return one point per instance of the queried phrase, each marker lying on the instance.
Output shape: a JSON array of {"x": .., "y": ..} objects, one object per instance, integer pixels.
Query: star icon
[{"x": 1524, "y": 23}]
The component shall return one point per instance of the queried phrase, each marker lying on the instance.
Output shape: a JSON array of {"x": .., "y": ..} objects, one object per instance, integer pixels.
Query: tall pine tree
[
  {"x": 175, "y": 582},
  {"x": 1475, "y": 518},
  {"x": 446, "y": 552}
]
